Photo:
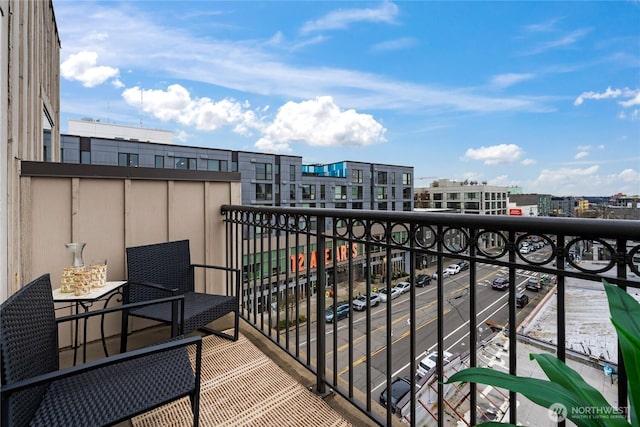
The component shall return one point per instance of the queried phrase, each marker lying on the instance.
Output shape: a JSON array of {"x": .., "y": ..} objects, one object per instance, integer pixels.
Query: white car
[
  {"x": 453, "y": 269},
  {"x": 384, "y": 292},
  {"x": 360, "y": 303},
  {"x": 430, "y": 362},
  {"x": 445, "y": 274},
  {"x": 404, "y": 287}
]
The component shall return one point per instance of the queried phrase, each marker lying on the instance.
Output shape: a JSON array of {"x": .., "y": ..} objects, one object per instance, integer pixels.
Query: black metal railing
[{"x": 299, "y": 263}]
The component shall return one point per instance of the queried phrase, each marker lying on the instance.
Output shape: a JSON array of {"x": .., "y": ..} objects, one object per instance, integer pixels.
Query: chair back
[
  {"x": 167, "y": 264},
  {"x": 28, "y": 346}
]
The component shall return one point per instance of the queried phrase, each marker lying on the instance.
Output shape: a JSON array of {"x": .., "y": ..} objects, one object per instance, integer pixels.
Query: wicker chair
[
  {"x": 102, "y": 392},
  {"x": 162, "y": 269}
]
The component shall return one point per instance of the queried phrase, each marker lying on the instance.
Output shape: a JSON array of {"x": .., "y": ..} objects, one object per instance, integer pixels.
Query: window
[
  {"x": 452, "y": 196},
  {"x": 382, "y": 206},
  {"x": 406, "y": 206},
  {"x": 292, "y": 173},
  {"x": 406, "y": 193},
  {"x": 292, "y": 191},
  {"x": 264, "y": 171},
  {"x": 323, "y": 194},
  {"x": 341, "y": 205},
  {"x": 356, "y": 192},
  {"x": 341, "y": 192},
  {"x": 46, "y": 136},
  {"x": 159, "y": 162},
  {"x": 382, "y": 178},
  {"x": 128, "y": 159},
  {"x": 356, "y": 176},
  {"x": 406, "y": 179},
  {"x": 217, "y": 165},
  {"x": 393, "y": 193},
  {"x": 185, "y": 163},
  {"x": 264, "y": 191},
  {"x": 470, "y": 196},
  {"x": 85, "y": 157},
  {"x": 393, "y": 178},
  {"x": 309, "y": 192},
  {"x": 381, "y": 193},
  {"x": 437, "y": 196},
  {"x": 356, "y": 205}
]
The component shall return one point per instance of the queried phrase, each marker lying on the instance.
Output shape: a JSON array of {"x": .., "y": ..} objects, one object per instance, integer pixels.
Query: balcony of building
[{"x": 298, "y": 264}]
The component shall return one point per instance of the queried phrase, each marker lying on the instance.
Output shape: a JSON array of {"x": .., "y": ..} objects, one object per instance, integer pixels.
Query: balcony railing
[{"x": 300, "y": 263}]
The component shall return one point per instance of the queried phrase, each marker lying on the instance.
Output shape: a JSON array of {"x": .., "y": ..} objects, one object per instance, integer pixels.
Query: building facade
[
  {"x": 267, "y": 179},
  {"x": 464, "y": 197},
  {"x": 29, "y": 117}
]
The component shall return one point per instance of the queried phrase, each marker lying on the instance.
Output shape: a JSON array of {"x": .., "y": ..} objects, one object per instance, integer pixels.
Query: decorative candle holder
[{"x": 98, "y": 274}]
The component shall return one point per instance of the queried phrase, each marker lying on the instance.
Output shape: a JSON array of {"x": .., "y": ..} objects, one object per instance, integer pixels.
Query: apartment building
[
  {"x": 29, "y": 118},
  {"x": 469, "y": 197},
  {"x": 267, "y": 179}
]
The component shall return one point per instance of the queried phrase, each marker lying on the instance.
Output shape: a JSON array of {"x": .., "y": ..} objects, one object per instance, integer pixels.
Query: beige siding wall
[
  {"x": 110, "y": 214},
  {"x": 29, "y": 85}
]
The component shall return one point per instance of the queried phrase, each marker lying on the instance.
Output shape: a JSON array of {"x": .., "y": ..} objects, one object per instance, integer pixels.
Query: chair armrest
[
  {"x": 176, "y": 298},
  {"x": 111, "y": 360},
  {"x": 228, "y": 269},
  {"x": 172, "y": 291}
]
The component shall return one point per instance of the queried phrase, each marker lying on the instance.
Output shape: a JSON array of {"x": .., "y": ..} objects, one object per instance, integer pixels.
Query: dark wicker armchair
[
  {"x": 103, "y": 392},
  {"x": 163, "y": 269}
]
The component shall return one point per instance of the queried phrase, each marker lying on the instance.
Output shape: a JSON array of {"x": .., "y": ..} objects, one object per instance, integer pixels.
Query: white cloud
[
  {"x": 581, "y": 154},
  {"x": 563, "y": 42},
  {"x": 176, "y": 104},
  {"x": 630, "y": 175},
  {"x": 509, "y": 79},
  {"x": 494, "y": 155},
  {"x": 395, "y": 44},
  {"x": 556, "y": 177},
  {"x": 632, "y": 95},
  {"x": 635, "y": 100},
  {"x": 319, "y": 122},
  {"x": 82, "y": 67},
  {"x": 527, "y": 162},
  {"x": 341, "y": 19}
]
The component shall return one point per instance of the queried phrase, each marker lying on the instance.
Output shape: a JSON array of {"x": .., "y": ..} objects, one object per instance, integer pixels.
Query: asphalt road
[{"x": 491, "y": 305}]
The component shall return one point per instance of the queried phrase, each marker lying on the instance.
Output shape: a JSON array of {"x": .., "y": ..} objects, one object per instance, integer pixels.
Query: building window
[
  {"x": 341, "y": 192},
  {"x": 292, "y": 173},
  {"x": 217, "y": 165},
  {"x": 452, "y": 196},
  {"x": 393, "y": 178},
  {"x": 128, "y": 159},
  {"x": 159, "y": 162},
  {"x": 46, "y": 136},
  {"x": 264, "y": 191},
  {"x": 406, "y": 179},
  {"x": 323, "y": 192},
  {"x": 356, "y": 192},
  {"x": 382, "y": 206},
  {"x": 356, "y": 176},
  {"x": 341, "y": 205},
  {"x": 356, "y": 205},
  {"x": 437, "y": 196},
  {"x": 85, "y": 157},
  {"x": 264, "y": 171},
  {"x": 407, "y": 193},
  {"x": 292, "y": 192},
  {"x": 309, "y": 192},
  {"x": 185, "y": 163},
  {"x": 381, "y": 193},
  {"x": 382, "y": 178},
  {"x": 406, "y": 206}
]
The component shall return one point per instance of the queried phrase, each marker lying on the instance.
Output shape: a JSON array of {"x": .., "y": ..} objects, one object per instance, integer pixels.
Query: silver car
[{"x": 360, "y": 303}]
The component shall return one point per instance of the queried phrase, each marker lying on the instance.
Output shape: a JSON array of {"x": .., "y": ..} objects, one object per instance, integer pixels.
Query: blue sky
[{"x": 542, "y": 95}]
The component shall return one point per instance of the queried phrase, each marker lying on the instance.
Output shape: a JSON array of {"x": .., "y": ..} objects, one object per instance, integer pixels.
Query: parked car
[
  {"x": 399, "y": 388},
  {"x": 533, "y": 284},
  {"x": 464, "y": 265},
  {"x": 404, "y": 287},
  {"x": 384, "y": 293},
  {"x": 423, "y": 280},
  {"x": 521, "y": 300},
  {"x": 360, "y": 303},
  {"x": 429, "y": 362},
  {"x": 500, "y": 284},
  {"x": 342, "y": 311},
  {"x": 453, "y": 269},
  {"x": 445, "y": 274},
  {"x": 525, "y": 250}
]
